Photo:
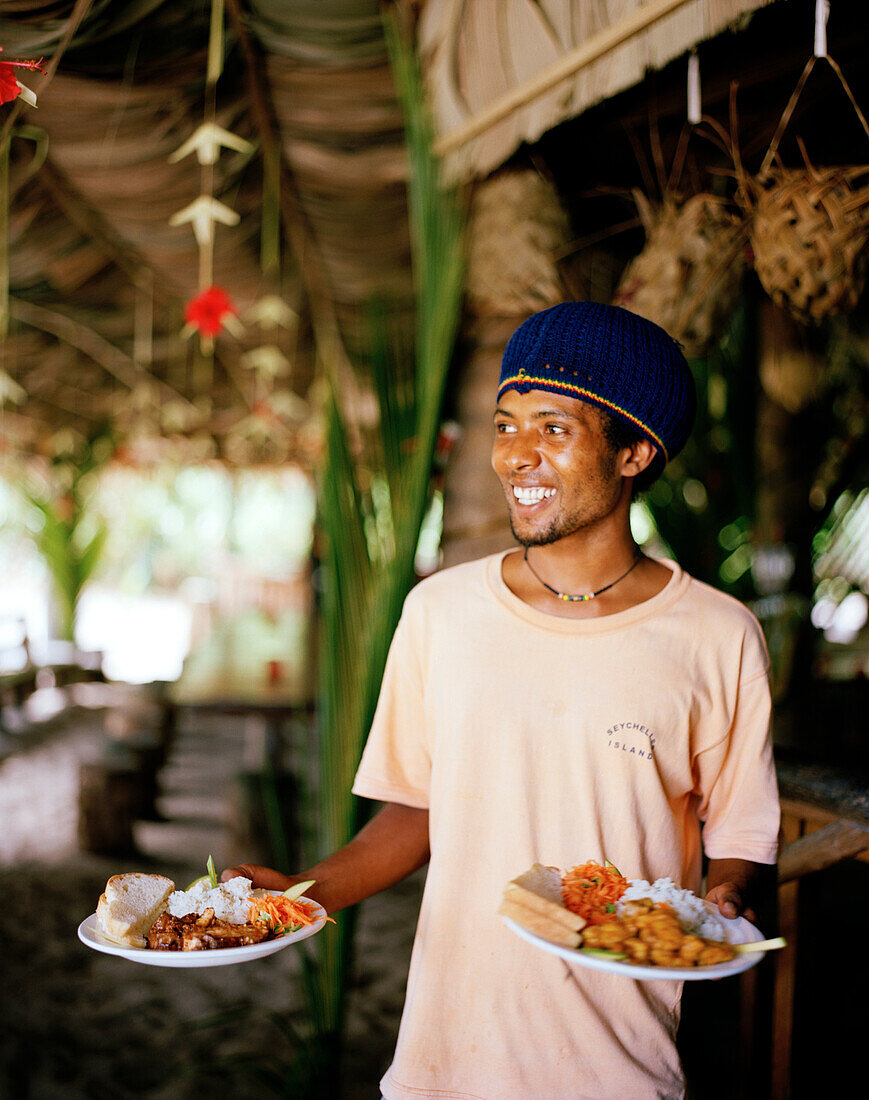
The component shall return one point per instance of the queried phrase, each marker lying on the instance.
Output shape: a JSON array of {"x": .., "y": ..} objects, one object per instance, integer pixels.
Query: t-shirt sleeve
[
  {"x": 735, "y": 777},
  {"x": 396, "y": 763}
]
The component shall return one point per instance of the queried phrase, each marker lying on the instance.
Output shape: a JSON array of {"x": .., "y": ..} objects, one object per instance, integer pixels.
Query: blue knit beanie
[{"x": 611, "y": 358}]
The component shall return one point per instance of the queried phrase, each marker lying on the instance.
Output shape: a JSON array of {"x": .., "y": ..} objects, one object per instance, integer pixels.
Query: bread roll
[
  {"x": 130, "y": 905},
  {"x": 540, "y": 925},
  {"x": 539, "y": 890}
]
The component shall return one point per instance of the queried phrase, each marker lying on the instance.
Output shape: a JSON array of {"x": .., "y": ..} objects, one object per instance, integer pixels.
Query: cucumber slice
[
  {"x": 296, "y": 891},
  {"x": 602, "y": 953},
  {"x": 760, "y": 945}
]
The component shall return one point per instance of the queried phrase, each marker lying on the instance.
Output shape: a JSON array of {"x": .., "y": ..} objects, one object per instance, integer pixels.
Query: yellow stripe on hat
[{"x": 577, "y": 391}]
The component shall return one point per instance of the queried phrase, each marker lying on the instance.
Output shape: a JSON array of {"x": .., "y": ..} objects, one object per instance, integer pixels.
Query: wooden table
[{"x": 227, "y": 691}]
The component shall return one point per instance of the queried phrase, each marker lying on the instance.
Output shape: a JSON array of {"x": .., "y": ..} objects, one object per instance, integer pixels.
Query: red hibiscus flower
[
  {"x": 9, "y": 87},
  {"x": 209, "y": 311}
]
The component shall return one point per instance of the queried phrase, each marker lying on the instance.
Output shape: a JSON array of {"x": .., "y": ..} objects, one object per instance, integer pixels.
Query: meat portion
[{"x": 202, "y": 933}]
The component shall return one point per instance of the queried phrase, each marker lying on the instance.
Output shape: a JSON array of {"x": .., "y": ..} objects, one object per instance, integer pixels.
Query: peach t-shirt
[{"x": 536, "y": 738}]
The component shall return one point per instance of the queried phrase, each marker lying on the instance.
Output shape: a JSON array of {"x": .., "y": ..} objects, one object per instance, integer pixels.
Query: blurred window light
[
  {"x": 736, "y": 565},
  {"x": 428, "y": 550},
  {"x": 694, "y": 492},
  {"x": 848, "y": 619},
  {"x": 841, "y": 567},
  {"x": 642, "y": 524},
  {"x": 842, "y": 544},
  {"x": 733, "y": 534},
  {"x": 716, "y": 396},
  {"x": 823, "y": 612},
  {"x": 772, "y": 567},
  {"x": 646, "y": 534}
]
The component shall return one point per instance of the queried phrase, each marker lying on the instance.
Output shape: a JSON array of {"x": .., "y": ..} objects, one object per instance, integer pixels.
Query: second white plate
[{"x": 738, "y": 931}]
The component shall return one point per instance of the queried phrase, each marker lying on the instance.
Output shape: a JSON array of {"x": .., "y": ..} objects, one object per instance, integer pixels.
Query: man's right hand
[
  {"x": 263, "y": 878},
  {"x": 391, "y": 846}
]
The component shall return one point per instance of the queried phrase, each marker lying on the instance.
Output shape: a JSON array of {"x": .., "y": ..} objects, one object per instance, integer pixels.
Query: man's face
[{"x": 558, "y": 471}]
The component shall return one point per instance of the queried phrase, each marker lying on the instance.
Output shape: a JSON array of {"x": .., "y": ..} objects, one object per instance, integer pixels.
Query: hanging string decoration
[
  {"x": 208, "y": 312},
  {"x": 11, "y": 87},
  {"x": 211, "y": 310}
]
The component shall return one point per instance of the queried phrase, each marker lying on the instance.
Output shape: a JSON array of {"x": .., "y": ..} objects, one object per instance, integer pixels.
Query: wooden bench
[
  {"x": 24, "y": 668},
  {"x": 18, "y": 671}
]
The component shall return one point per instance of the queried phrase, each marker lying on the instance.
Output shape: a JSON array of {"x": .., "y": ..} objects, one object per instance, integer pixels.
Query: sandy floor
[{"x": 79, "y": 1024}]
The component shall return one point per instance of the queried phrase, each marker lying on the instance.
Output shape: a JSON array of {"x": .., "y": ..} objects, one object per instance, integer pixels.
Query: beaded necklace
[{"x": 586, "y": 596}]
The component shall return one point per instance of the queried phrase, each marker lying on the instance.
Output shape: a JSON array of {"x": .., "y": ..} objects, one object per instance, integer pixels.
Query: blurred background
[{"x": 259, "y": 260}]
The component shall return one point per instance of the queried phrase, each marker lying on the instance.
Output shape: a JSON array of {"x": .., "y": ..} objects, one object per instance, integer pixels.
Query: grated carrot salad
[
  {"x": 592, "y": 890},
  {"x": 282, "y": 915}
]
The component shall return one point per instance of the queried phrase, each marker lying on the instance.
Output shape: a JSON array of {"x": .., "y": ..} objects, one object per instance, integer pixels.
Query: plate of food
[
  {"x": 594, "y": 917},
  {"x": 144, "y": 919}
]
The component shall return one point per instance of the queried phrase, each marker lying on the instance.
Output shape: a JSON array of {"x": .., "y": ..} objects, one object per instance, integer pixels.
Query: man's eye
[
  {"x": 502, "y": 429},
  {"x": 555, "y": 429}
]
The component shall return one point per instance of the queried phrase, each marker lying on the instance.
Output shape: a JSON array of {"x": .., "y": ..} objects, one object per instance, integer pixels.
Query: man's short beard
[
  {"x": 539, "y": 538},
  {"x": 567, "y": 526}
]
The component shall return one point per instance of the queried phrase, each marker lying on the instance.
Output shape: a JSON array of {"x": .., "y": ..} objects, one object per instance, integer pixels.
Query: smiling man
[{"x": 569, "y": 700}]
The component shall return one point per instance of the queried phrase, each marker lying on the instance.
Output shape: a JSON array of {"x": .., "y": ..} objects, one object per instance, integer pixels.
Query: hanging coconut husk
[
  {"x": 687, "y": 277},
  {"x": 809, "y": 232},
  {"x": 517, "y": 227}
]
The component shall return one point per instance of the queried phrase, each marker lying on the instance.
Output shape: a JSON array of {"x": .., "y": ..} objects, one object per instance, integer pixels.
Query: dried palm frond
[{"x": 372, "y": 509}]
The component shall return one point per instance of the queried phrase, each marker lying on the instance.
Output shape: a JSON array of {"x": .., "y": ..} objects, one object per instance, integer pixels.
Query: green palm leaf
[{"x": 372, "y": 508}]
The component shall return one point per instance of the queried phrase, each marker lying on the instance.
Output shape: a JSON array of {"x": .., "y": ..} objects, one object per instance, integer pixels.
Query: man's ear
[{"x": 637, "y": 457}]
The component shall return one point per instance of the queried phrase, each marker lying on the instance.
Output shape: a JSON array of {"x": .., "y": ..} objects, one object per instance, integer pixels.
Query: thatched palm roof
[
  {"x": 482, "y": 54},
  {"x": 98, "y": 274}
]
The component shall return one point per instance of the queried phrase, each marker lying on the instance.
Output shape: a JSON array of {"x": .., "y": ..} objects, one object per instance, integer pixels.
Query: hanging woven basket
[
  {"x": 809, "y": 233},
  {"x": 687, "y": 277},
  {"x": 809, "y": 226}
]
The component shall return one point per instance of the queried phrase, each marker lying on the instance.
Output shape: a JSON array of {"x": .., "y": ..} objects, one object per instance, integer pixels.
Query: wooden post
[
  {"x": 784, "y": 987},
  {"x": 110, "y": 800}
]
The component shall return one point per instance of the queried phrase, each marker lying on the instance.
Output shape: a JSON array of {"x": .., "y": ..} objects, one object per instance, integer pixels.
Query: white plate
[
  {"x": 90, "y": 935},
  {"x": 738, "y": 930}
]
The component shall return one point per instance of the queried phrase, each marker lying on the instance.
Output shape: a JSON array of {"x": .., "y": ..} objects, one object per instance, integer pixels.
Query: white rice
[
  {"x": 693, "y": 914},
  {"x": 230, "y": 900}
]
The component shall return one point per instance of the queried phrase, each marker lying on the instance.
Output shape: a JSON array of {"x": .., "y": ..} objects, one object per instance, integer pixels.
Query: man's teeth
[{"x": 531, "y": 496}]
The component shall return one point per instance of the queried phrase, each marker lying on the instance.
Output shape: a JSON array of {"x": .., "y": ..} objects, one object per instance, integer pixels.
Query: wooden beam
[
  {"x": 90, "y": 343},
  {"x": 298, "y": 229},
  {"x": 578, "y": 58},
  {"x": 94, "y": 226},
  {"x": 815, "y": 851}
]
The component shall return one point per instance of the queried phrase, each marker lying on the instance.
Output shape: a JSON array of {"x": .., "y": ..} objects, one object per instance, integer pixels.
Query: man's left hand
[
  {"x": 730, "y": 901},
  {"x": 741, "y": 888}
]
